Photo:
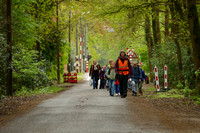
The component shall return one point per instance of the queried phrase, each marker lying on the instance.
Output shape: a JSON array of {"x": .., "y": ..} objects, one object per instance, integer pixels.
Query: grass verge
[
  {"x": 173, "y": 93},
  {"x": 46, "y": 90}
]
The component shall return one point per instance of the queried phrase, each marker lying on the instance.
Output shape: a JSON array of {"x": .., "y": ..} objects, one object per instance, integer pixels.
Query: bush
[
  {"x": 166, "y": 54},
  {"x": 28, "y": 72}
]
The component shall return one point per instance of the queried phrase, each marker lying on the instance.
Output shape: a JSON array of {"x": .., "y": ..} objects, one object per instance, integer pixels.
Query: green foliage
[
  {"x": 152, "y": 89},
  {"x": 51, "y": 89},
  {"x": 179, "y": 85},
  {"x": 28, "y": 72},
  {"x": 165, "y": 54},
  {"x": 196, "y": 98}
]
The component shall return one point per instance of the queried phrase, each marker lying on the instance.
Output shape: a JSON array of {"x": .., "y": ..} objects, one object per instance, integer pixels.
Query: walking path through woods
[{"x": 84, "y": 110}]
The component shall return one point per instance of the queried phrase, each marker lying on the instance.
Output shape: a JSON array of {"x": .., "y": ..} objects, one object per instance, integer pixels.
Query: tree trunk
[
  {"x": 175, "y": 29},
  {"x": 156, "y": 26},
  {"x": 149, "y": 44},
  {"x": 195, "y": 37},
  {"x": 58, "y": 47},
  {"x": 166, "y": 21},
  {"x": 9, "y": 41},
  {"x": 4, "y": 16},
  {"x": 38, "y": 48}
]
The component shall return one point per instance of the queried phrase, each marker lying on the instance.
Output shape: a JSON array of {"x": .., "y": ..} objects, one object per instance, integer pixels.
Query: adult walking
[
  {"x": 94, "y": 73},
  {"x": 123, "y": 69}
]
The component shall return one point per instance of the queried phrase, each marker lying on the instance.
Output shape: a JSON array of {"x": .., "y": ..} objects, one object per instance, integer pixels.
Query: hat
[{"x": 122, "y": 51}]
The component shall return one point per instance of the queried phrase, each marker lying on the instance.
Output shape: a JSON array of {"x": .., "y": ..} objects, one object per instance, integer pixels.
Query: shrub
[{"x": 28, "y": 72}]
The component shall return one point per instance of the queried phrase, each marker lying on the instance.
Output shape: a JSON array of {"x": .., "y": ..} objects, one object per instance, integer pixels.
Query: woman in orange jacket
[{"x": 123, "y": 69}]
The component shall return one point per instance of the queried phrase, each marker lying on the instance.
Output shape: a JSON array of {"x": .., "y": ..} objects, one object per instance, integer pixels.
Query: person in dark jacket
[
  {"x": 142, "y": 79},
  {"x": 102, "y": 77},
  {"x": 94, "y": 73},
  {"x": 123, "y": 69},
  {"x": 136, "y": 78}
]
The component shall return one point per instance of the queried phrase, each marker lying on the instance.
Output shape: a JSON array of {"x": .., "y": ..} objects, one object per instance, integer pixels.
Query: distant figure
[
  {"x": 94, "y": 73},
  {"x": 102, "y": 77},
  {"x": 123, "y": 69},
  {"x": 141, "y": 83},
  {"x": 136, "y": 78},
  {"x": 111, "y": 75},
  {"x": 107, "y": 79}
]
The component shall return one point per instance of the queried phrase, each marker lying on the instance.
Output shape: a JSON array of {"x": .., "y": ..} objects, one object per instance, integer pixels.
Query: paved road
[{"x": 78, "y": 110}]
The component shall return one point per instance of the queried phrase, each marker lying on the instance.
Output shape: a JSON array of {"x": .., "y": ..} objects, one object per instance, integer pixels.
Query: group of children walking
[{"x": 117, "y": 75}]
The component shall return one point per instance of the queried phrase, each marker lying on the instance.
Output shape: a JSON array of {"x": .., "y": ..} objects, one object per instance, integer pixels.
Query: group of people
[{"x": 119, "y": 76}]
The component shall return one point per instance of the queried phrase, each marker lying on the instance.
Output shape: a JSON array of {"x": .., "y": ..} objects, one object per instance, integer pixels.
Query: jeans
[
  {"x": 95, "y": 82},
  {"x": 117, "y": 89},
  {"x": 129, "y": 85},
  {"x": 111, "y": 86},
  {"x": 134, "y": 86}
]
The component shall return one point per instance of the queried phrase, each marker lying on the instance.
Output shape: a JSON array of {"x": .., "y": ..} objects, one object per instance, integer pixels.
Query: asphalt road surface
[{"x": 78, "y": 110}]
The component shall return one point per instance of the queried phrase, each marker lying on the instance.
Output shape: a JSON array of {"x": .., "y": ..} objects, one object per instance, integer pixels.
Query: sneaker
[
  {"x": 119, "y": 94},
  {"x": 135, "y": 93},
  {"x": 116, "y": 94}
]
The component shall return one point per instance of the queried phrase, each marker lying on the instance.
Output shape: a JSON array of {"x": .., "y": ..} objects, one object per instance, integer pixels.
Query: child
[
  {"x": 111, "y": 75},
  {"x": 117, "y": 87},
  {"x": 102, "y": 78},
  {"x": 136, "y": 78}
]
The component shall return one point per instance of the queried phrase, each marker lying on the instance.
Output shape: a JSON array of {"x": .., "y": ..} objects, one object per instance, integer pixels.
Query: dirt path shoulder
[{"x": 177, "y": 115}]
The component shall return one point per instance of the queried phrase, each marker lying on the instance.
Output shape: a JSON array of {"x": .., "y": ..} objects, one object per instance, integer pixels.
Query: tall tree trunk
[
  {"x": 195, "y": 37},
  {"x": 38, "y": 48},
  {"x": 175, "y": 29},
  {"x": 166, "y": 20},
  {"x": 9, "y": 41},
  {"x": 4, "y": 14},
  {"x": 58, "y": 47},
  {"x": 149, "y": 44},
  {"x": 156, "y": 26}
]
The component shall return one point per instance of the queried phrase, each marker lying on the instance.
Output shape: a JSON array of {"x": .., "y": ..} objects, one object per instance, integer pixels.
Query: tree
[
  {"x": 9, "y": 50},
  {"x": 175, "y": 35},
  {"x": 149, "y": 44},
  {"x": 195, "y": 38},
  {"x": 58, "y": 45}
]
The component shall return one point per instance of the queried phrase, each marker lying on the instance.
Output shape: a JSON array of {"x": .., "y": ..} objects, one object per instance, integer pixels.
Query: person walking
[
  {"x": 123, "y": 69},
  {"x": 107, "y": 79},
  {"x": 142, "y": 79},
  {"x": 102, "y": 77},
  {"x": 111, "y": 75},
  {"x": 94, "y": 73},
  {"x": 136, "y": 78}
]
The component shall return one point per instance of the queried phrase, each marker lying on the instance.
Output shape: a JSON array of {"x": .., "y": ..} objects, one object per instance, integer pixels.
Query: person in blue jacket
[
  {"x": 142, "y": 79},
  {"x": 135, "y": 79}
]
